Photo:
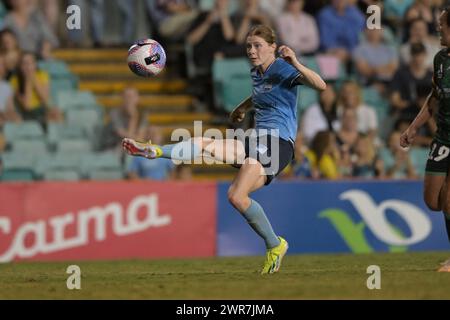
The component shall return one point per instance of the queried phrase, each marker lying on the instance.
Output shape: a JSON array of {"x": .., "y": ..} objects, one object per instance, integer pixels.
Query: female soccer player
[
  {"x": 437, "y": 178},
  {"x": 275, "y": 100}
]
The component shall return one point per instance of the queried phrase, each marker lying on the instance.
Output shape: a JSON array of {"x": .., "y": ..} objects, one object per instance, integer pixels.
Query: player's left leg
[
  {"x": 250, "y": 178},
  {"x": 445, "y": 200}
]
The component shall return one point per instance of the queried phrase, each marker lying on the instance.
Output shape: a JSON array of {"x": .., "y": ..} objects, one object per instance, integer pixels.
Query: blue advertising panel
[{"x": 327, "y": 217}]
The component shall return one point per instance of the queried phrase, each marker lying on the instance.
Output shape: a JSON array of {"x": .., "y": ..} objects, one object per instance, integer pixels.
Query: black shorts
[
  {"x": 272, "y": 152},
  {"x": 438, "y": 159}
]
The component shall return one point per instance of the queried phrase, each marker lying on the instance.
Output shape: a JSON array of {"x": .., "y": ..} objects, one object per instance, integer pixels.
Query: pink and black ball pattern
[{"x": 146, "y": 58}]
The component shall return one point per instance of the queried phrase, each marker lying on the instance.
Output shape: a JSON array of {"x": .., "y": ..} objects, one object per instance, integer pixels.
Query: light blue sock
[
  {"x": 257, "y": 219},
  {"x": 183, "y": 151}
]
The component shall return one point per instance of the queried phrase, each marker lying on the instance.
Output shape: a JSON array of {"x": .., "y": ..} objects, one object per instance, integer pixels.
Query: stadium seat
[
  {"x": 95, "y": 162},
  {"x": 31, "y": 130},
  {"x": 306, "y": 98},
  {"x": 70, "y": 100},
  {"x": 57, "y": 162},
  {"x": 33, "y": 147},
  {"x": 104, "y": 175},
  {"x": 57, "y": 131},
  {"x": 73, "y": 146},
  {"x": 16, "y": 175},
  {"x": 17, "y": 161},
  {"x": 235, "y": 91},
  {"x": 232, "y": 83},
  {"x": 419, "y": 157},
  {"x": 61, "y": 175},
  {"x": 86, "y": 119}
]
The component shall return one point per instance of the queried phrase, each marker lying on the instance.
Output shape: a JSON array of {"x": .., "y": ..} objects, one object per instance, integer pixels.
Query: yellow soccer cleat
[
  {"x": 142, "y": 149},
  {"x": 274, "y": 257}
]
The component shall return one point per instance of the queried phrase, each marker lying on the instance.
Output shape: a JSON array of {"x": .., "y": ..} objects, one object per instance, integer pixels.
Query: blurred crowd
[{"x": 340, "y": 136}]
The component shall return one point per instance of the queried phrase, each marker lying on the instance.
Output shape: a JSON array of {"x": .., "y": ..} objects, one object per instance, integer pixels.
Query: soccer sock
[
  {"x": 183, "y": 151},
  {"x": 447, "y": 224},
  {"x": 257, "y": 219}
]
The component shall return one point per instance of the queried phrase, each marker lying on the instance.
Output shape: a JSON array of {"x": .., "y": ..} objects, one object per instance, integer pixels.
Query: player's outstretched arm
[
  {"x": 422, "y": 117},
  {"x": 238, "y": 114},
  {"x": 308, "y": 77}
]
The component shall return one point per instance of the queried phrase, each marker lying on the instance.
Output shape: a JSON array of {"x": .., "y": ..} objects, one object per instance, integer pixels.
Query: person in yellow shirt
[
  {"x": 32, "y": 90},
  {"x": 324, "y": 155}
]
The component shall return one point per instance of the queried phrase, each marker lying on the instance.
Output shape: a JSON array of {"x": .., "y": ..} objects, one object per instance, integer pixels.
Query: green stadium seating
[
  {"x": 57, "y": 131},
  {"x": 17, "y": 161},
  {"x": 73, "y": 146},
  {"x": 16, "y": 175},
  {"x": 58, "y": 162},
  {"x": 306, "y": 98},
  {"x": 86, "y": 119},
  {"x": 105, "y": 161},
  {"x": 419, "y": 157},
  {"x": 31, "y": 130},
  {"x": 61, "y": 175},
  {"x": 70, "y": 100},
  {"x": 105, "y": 175},
  {"x": 33, "y": 147}
]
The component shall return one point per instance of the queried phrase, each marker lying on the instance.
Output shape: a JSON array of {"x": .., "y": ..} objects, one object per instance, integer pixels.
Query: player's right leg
[{"x": 223, "y": 150}]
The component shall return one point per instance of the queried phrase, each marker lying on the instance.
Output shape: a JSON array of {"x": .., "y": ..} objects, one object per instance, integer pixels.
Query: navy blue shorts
[{"x": 272, "y": 152}]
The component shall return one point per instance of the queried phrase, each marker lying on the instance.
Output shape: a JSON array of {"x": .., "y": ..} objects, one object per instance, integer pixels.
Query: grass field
[{"x": 403, "y": 276}]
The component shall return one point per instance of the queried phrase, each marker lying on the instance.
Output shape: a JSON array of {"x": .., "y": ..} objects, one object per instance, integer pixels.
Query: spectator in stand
[
  {"x": 394, "y": 11},
  {"x": 425, "y": 10},
  {"x": 249, "y": 16},
  {"x": 366, "y": 164},
  {"x": 398, "y": 162},
  {"x": 375, "y": 61},
  {"x": 297, "y": 29},
  {"x": 319, "y": 116},
  {"x": 351, "y": 98},
  {"x": 32, "y": 92},
  {"x": 125, "y": 121},
  {"x": 348, "y": 134},
  {"x": 425, "y": 133},
  {"x": 172, "y": 18},
  {"x": 340, "y": 26},
  {"x": 407, "y": 79},
  {"x": 30, "y": 27},
  {"x": 324, "y": 155},
  {"x": 418, "y": 33},
  {"x": 158, "y": 169},
  {"x": 210, "y": 32},
  {"x": 7, "y": 110},
  {"x": 272, "y": 8},
  {"x": 301, "y": 166},
  {"x": 10, "y": 50}
]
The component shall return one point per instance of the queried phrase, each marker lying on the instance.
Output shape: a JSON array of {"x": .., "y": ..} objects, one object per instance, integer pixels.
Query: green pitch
[{"x": 403, "y": 276}]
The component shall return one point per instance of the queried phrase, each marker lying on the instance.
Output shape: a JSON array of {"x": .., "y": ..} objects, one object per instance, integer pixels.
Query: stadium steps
[
  {"x": 180, "y": 118},
  {"x": 144, "y": 86},
  {"x": 90, "y": 55},
  {"x": 175, "y": 102}
]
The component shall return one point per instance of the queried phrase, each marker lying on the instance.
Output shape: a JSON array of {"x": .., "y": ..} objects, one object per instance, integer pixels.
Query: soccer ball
[{"x": 146, "y": 58}]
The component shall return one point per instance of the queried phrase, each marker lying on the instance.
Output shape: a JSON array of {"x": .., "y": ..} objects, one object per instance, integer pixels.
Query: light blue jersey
[{"x": 275, "y": 98}]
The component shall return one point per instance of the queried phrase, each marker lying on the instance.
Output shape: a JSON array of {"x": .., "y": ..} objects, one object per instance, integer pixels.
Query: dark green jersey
[{"x": 441, "y": 87}]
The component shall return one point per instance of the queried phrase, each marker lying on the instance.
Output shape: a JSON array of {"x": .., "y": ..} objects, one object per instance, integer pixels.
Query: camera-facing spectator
[
  {"x": 32, "y": 92},
  {"x": 10, "y": 50},
  {"x": 298, "y": 30},
  {"x": 30, "y": 27}
]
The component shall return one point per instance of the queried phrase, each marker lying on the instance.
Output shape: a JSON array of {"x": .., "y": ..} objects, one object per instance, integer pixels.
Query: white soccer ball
[{"x": 146, "y": 58}]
